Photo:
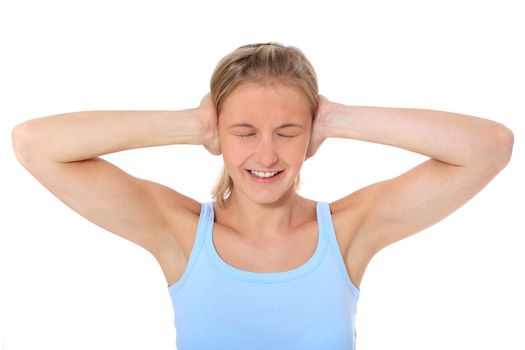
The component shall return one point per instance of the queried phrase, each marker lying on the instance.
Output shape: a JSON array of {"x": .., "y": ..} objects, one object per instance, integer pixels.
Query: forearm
[
  {"x": 88, "y": 134},
  {"x": 448, "y": 137}
]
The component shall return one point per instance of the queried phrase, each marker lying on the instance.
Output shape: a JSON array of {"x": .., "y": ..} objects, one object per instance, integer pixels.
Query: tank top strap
[
  {"x": 324, "y": 216},
  {"x": 327, "y": 225},
  {"x": 267, "y": 277},
  {"x": 205, "y": 221}
]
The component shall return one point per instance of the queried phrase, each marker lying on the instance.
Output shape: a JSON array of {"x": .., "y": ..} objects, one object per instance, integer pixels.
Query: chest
[
  {"x": 266, "y": 255},
  {"x": 259, "y": 255}
]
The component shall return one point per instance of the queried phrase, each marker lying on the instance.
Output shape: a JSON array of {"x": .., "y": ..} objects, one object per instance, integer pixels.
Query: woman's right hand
[{"x": 208, "y": 115}]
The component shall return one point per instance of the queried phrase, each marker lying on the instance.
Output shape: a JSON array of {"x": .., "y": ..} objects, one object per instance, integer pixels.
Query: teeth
[{"x": 263, "y": 174}]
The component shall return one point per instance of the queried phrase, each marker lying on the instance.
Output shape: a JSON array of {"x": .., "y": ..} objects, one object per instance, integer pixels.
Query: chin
[
  {"x": 259, "y": 194},
  {"x": 269, "y": 197}
]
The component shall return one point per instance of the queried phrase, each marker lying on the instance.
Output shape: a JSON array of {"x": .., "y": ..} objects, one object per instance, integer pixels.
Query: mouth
[{"x": 264, "y": 176}]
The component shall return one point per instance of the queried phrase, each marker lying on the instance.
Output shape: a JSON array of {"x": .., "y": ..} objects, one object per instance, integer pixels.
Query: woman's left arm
[{"x": 465, "y": 153}]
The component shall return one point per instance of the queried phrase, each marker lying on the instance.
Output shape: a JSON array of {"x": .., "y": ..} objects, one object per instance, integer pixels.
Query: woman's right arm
[{"x": 62, "y": 152}]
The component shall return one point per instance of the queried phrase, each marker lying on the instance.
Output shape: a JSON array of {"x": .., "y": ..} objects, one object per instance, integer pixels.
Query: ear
[
  {"x": 310, "y": 150},
  {"x": 316, "y": 138}
]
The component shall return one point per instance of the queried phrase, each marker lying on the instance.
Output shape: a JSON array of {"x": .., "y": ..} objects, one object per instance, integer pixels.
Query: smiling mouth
[{"x": 264, "y": 174}]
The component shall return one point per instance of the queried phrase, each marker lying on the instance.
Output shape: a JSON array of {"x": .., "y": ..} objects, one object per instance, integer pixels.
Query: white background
[{"x": 67, "y": 284}]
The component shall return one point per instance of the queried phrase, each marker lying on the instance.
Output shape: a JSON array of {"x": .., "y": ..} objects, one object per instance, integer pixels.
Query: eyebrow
[{"x": 247, "y": 125}]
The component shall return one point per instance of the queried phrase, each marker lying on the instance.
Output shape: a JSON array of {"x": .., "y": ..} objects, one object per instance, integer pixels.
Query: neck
[{"x": 262, "y": 219}]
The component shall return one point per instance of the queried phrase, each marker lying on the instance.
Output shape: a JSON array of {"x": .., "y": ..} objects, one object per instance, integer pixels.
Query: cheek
[
  {"x": 233, "y": 153},
  {"x": 228, "y": 144},
  {"x": 302, "y": 144},
  {"x": 294, "y": 153}
]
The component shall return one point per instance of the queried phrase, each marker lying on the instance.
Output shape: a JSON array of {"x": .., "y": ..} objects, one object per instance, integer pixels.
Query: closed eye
[{"x": 282, "y": 135}]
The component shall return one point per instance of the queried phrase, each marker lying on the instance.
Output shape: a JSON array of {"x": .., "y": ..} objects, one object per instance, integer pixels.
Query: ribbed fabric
[{"x": 218, "y": 306}]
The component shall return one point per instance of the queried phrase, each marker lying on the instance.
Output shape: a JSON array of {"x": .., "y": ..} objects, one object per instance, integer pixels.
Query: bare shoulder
[
  {"x": 347, "y": 215},
  {"x": 182, "y": 216},
  {"x": 181, "y": 213}
]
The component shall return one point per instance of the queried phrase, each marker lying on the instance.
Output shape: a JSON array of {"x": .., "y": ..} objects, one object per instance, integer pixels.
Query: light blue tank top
[{"x": 218, "y": 306}]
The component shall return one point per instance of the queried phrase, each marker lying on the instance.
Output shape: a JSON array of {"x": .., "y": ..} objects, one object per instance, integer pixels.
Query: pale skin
[{"x": 263, "y": 227}]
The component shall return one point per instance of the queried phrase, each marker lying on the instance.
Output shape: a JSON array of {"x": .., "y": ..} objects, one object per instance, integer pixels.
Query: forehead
[{"x": 258, "y": 102}]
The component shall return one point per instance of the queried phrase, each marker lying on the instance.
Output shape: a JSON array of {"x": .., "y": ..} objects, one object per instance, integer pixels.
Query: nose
[{"x": 266, "y": 153}]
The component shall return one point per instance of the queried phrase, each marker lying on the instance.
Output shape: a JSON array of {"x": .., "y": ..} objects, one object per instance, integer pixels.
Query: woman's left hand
[{"x": 318, "y": 134}]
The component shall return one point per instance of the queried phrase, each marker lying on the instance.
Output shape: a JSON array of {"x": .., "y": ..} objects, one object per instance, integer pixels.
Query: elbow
[
  {"x": 500, "y": 142},
  {"x": 20, "y": 142}
]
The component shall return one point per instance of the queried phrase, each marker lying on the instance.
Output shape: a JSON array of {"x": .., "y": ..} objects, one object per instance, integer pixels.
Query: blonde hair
[{"x": 261, "y": 63}]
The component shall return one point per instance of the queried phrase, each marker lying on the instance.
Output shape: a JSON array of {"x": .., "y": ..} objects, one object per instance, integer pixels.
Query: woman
[{"x": 261, "y": 267}]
